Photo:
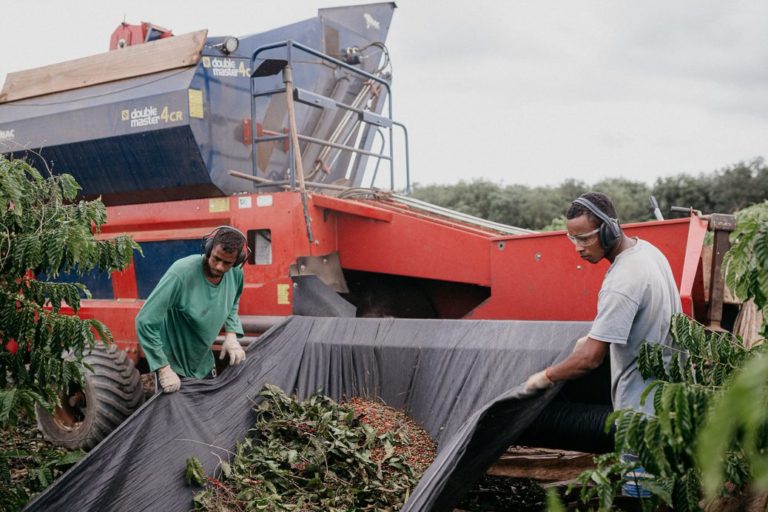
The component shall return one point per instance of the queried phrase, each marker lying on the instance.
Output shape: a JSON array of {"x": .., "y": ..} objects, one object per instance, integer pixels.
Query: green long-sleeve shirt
[{"x": 183, "y": 315}]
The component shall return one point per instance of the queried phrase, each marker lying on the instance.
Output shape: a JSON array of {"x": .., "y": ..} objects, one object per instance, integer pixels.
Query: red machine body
[{"x": 460, "y": 270}]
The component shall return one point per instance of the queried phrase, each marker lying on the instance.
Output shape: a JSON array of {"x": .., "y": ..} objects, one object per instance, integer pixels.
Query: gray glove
[
  {"x": 232, "y": 348},
  {"x": 169, "y": 381},
  {"x": 538, "y": 381}
]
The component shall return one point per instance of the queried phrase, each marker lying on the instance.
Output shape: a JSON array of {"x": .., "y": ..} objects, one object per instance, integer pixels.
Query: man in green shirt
[{"x": 185, "y": 312}]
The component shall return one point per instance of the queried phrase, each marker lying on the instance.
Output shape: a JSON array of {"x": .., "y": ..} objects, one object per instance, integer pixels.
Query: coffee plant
[
  {"x": 689, "y": 377},
  {"x": 738, "y": 424},
  {"x": 44, "y": 233},
  {"x": 746, "y": 262}
]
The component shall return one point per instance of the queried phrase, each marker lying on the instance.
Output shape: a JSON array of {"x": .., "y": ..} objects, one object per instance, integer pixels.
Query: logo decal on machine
[
  {"x": 150, "y": 116},
  {"x": 7, "y": 134},
  {"x": 226, "y": 67},
  {"x": 371, "y": 22}
]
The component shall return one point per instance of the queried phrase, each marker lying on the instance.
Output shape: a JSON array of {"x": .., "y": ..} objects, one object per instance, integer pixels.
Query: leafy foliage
[
  {"x": 554, "y": 503},
  {"x": 689, "y": 377},
  {"x": 746, "y": 263},
  {"x": 45, "y": 231},
  {"x": 557, "y": 224},
  {"x": 737, "y": 431},
  {"x": 310, "y": 455},
  {"x": 604, "y": 482},
  {"x": 726, "y": 191},
  {"x": 737, "y": 428},
  {"x": 502, "y": 493},
  {"x": 28, "y": 464},
  {"x": 701, "y": 357},
  {"x": 195, "y": 473},
  {"x": 517, "y": 205}
]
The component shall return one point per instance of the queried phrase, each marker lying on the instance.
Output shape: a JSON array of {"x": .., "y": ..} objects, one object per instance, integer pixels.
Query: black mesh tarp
[{"x": 460, "y": 379}]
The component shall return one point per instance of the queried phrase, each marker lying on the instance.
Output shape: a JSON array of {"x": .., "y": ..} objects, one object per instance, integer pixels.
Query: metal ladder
[{"x": 357, "y": 121}]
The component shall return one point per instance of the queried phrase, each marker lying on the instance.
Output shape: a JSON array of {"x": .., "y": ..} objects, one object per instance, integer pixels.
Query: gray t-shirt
[{"x": 636, "y": 302}]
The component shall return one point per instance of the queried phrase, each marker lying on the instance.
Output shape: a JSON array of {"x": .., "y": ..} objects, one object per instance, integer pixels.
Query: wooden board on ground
[
  {"x": 542, "y": 464},
  {"x": 143, "y": 59}
]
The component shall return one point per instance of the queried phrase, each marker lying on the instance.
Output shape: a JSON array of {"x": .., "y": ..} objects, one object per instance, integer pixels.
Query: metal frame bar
[
  {"x": 314, "y": 140},
  {"x": 407, "y": 157},
  {"x": 290, "y": 45},
  {"x": 264, "y": 182}
]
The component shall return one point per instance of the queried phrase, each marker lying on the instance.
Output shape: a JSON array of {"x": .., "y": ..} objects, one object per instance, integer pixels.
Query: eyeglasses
[{"x": 584, "y": 239}]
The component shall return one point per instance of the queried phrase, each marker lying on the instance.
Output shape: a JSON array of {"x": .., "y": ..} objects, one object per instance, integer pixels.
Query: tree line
[{"x": 541, "y": 208}]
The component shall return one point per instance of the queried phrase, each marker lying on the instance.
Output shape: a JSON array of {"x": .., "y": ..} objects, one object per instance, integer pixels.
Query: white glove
[
  {"x": 169, "y": 381},
  {"x": 538, "y": 381},
  {"x": 232, "y": 348},
  {"x": 579, "y": 343}
]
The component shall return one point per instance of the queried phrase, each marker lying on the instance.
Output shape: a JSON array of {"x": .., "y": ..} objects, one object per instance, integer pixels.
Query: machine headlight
[{"x": 229, "y": 45}]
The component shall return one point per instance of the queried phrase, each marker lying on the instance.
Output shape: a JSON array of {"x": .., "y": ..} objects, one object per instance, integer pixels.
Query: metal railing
[{"x": 271, "y": 67}]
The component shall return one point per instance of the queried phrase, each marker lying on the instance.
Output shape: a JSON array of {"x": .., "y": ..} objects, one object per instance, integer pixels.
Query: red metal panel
[
  {"x": 124, "y": 283},
  {"x": 268, "y": 288},
  {"x": 352, "y": 207},
  {"x": 118, "y": 316},
  {"x": 542, "y": 277},
  {"x": 693, "y": 248},
  {"x": 170, "y": 216},
  {"x": 413, "y": 246}
]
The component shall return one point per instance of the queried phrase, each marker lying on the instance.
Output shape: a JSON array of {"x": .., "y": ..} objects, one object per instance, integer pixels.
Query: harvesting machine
[{"x": 287, "y": 135}]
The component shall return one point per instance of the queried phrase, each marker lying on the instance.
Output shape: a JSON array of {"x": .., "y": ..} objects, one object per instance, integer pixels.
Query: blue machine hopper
[{"x": 176, "y": 134}]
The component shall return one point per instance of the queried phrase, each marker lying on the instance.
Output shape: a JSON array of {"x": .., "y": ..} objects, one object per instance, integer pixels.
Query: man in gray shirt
[{"x": 636, "y": 302}]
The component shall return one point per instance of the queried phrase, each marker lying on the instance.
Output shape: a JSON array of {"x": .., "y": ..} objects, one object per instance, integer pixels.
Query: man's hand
[
  {"x": 538, "y": 381},
  {"x": 169, "y": 381},
  {"x": 232, "y": 348}
]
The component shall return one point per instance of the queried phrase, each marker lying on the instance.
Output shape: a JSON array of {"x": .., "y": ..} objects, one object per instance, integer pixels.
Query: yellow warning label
[
  {"x": 283, "y": 294},
  {"x": 218, "y": 204},
  {"x": 196, "y": 103}
]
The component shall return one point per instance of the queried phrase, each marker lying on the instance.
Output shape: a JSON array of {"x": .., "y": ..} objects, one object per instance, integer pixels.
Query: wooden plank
[
  {"x": 542, "y": 464},
  {"x": 142, "y": 59},
  {"x": 717, "y": 281}
]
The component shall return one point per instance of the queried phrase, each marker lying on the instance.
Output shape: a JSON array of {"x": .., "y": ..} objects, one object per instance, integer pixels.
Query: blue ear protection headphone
[{"x": 610, "y": 231}]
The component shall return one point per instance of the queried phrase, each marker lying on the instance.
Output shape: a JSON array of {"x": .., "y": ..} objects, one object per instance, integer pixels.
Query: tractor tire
[{"x": 113, "y": 390}]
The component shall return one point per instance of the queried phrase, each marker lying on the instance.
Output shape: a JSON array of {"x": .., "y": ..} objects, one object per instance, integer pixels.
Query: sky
[{"x": 509, "y": 91}]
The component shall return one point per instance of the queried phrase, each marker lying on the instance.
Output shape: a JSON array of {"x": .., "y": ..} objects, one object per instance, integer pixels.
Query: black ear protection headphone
[
  {"x": 209, "y": 239},
  {"x": 610, "y": 231}
]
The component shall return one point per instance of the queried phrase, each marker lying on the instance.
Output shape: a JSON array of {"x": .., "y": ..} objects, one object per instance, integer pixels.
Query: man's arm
[
  {"x": 150, "y": 320},
  {"x": 232, "y": 324},
  {"x": 232, "y": 329},
  {"x": 586, "y": 356}
]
